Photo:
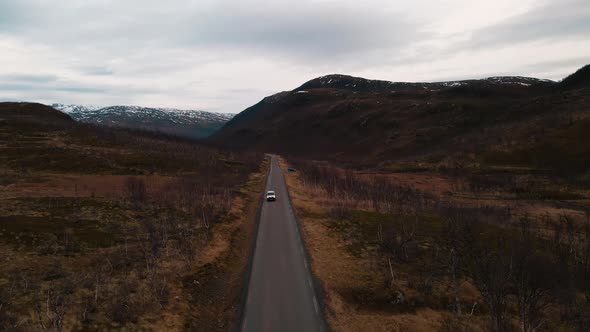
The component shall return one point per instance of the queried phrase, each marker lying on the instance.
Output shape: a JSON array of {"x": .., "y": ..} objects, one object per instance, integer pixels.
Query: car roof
[{"x": 270, "y": 192}]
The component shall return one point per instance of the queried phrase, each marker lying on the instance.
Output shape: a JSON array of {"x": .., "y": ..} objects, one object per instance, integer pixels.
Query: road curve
[{"x": 280, "y": 296}]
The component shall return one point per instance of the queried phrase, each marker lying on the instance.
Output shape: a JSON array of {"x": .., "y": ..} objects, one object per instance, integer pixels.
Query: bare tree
[
  {"x": 399, "y": 240},
  {"x": 136, "y": 190},
  {"x": 453, "y": 264},
  {"x": 531, "y": 276},
  {"x": 8, "y": 320},
  {"x": 51, "y": 309},
  {"x": 586, "y": 244},
  {"x": 492, "y": 277}
]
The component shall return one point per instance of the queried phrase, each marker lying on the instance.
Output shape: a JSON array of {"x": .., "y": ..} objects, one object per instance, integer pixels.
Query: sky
[{"x": 224, "y": 56}]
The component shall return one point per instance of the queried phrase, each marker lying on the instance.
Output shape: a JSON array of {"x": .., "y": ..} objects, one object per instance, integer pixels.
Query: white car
[{"x": 270, "y": 196}]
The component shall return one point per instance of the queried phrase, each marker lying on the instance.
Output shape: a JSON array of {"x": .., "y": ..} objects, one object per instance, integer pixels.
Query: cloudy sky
[{"x": 223, "y": 56}]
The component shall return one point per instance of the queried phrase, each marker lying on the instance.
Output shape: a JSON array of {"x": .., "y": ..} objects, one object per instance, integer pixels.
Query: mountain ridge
[
  {"x": 359, "y": 83},
  {"x": 346, "y": 118},
  {"x": 187, "y": 123}
]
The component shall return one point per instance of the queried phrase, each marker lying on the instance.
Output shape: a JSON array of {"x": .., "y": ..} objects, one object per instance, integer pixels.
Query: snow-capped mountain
[
  {"x": 336, "y": 81},
  {"x": 188, "y": 123}
]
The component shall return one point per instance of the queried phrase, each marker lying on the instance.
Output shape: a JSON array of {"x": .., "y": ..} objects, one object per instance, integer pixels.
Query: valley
[
  {"x": 453, "y": 206},
  {"x": 277, "y": 166},
  {"x": 456, "y": 206}
]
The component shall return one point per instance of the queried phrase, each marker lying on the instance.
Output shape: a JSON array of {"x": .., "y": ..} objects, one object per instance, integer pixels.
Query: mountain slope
[
  {"x": 187, "y": 123},
  {"x": 33, "y": 113},
  {"x": 352, "y": 119},
  {"x": 580, "y": 78}
]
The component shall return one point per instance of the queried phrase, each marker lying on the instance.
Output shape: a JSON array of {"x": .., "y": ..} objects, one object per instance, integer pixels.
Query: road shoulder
[{"x": 216, "y": 288}]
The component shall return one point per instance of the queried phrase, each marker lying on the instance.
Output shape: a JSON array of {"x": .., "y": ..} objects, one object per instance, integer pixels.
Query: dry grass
[
  {"x": 373, "y": 282},
  {"x": 58, "y": 185},
  {"x": 226, "y": 249},
  {"x": 123, "y": 230},
  {"x": 341, "y": 272},
  {"x": 214, "y": 287},
  {"x": 455, "y": 190}
]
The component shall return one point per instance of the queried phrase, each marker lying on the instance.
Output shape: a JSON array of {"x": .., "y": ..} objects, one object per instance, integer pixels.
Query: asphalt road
[{"x": 281, "y": 295}]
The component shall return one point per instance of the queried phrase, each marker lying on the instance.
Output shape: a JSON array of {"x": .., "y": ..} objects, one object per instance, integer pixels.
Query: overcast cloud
[{"x": 224, "y": 56}]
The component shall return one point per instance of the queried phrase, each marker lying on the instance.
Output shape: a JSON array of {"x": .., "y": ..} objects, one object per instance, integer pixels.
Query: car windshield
[{"x": 270, "y": 193}]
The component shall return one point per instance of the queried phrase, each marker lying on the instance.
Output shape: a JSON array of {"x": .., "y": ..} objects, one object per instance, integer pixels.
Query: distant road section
[{"x": 281, "y": 296}]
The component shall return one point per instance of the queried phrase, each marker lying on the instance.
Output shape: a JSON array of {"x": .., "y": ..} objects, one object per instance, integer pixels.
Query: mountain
[
  {"x": 187, "y": 123},
  {"x": 358, "y": 84},
  {"x": 33, "y": 113},
  {"x": 580, "y": 78},
  {"x": 498, "y": 120}
]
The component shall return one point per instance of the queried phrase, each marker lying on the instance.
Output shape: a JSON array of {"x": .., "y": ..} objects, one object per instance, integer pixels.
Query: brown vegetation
[
  {"x": 410, "y": 259},
  {"x": 109, "y": 229}
]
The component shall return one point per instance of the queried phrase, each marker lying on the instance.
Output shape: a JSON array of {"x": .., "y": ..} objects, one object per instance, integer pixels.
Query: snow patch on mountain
[
  {"x": 192, "y": 123},
  {"x": 89, "y": 112},
  {"x": 337, "y": 81}
]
